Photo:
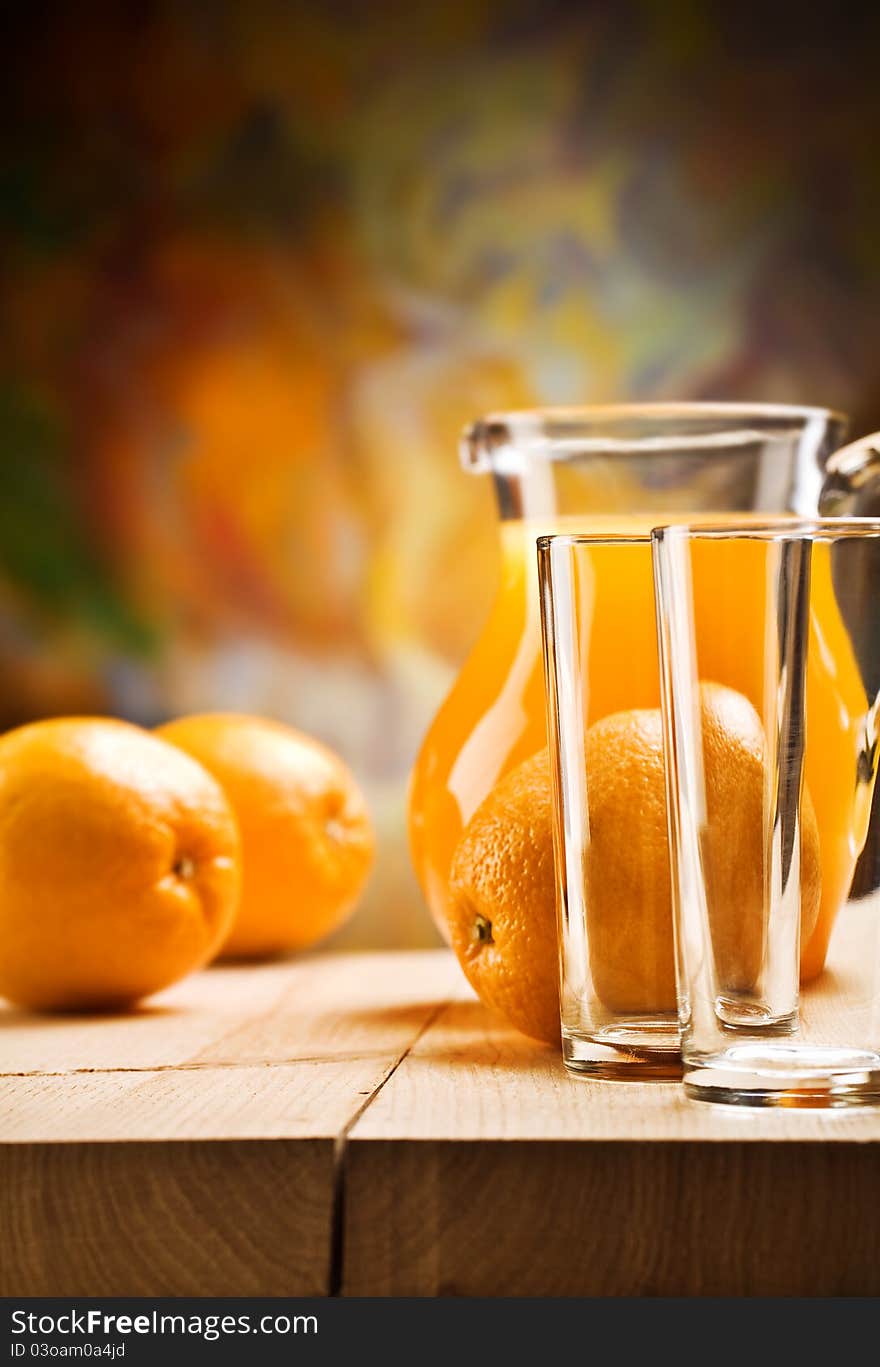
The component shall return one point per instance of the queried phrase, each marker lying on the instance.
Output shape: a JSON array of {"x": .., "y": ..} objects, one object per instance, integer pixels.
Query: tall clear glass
[
  {"x": 605, "y": 470},
  {"x": 616, "y": 959},
  {"x": 771, "y": 761}
]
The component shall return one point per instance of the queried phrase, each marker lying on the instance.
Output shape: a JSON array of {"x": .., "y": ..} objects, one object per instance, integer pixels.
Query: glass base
[
  {"x": 632, "y": 1051},
  {"x": 793, "y": 1075},
  {"x": 735, "y": 1014}
]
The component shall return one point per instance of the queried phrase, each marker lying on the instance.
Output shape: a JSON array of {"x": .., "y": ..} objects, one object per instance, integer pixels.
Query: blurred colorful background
[{"x": 262, "y": 261}]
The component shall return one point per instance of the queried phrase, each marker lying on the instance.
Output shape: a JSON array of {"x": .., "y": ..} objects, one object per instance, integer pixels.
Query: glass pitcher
[{"x": 619, "y": 469}]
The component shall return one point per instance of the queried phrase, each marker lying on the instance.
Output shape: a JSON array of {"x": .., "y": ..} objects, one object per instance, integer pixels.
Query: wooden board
[
  {"x": 209, "y": 1143},
  {"x": 191, "y": 1148},
  {"x": 482, "y": 1168}
]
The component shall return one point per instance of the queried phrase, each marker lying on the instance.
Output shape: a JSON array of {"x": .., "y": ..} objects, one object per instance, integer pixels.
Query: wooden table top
[{"x": 360, "y": 1124}]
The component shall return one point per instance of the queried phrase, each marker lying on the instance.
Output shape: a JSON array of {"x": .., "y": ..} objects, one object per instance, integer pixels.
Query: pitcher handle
[{"x": 852, "y": 479}]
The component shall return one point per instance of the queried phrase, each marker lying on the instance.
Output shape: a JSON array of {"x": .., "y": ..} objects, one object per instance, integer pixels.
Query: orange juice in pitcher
[{"x": 618, "y": 471}]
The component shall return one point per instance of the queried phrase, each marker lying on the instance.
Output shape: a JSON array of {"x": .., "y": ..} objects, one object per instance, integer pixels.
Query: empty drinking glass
[
  {"x": 769, "y": 639},
  {"x": 617, "y": 968}
]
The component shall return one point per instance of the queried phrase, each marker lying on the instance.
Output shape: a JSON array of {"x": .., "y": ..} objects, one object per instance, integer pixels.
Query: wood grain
[
  {"x": 190, "y": 1148},
  {"x": 320, "y": 1006},
  {"x": 482, "y": 1168},
  {"x": 203, "y": 1146},
  {"x": 549, "y": 1218},
  {"x": 469, "y": 1077},
  {"x": 308, "y": 1100},
  {"x": 151, "y": 1219}
]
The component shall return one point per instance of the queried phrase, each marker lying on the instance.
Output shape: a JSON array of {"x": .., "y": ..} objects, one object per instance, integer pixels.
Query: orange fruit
[
  {"x": 306, "y": 837},
  {"x": 628, "y": 890},
  {"x": 628, "y": 894},
  {"x": 733, "y": 842},
  {"x": 502, "y": 901},
  {"x": 502, "y": 887},
  {"x": 119, "y": 864}
]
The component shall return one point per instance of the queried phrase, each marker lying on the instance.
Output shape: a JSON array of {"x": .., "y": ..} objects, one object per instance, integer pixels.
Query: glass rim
[
  {"x": 547, "y": 541},
  {"x": 700, "y": 426},
  {"x": 767, "y": 529},
  {"x": 590, "y": 414},
  {"x": 770, "y": 529}
]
